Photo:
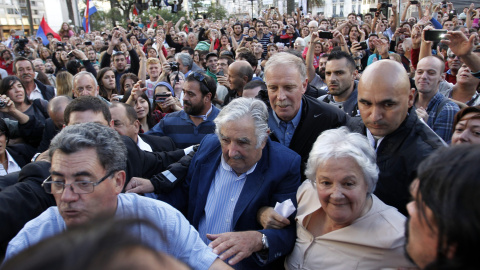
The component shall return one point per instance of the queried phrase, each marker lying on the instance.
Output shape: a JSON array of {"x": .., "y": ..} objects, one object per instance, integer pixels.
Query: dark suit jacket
[
  {"x": 275, "y": 179},
  {"x": 316, "y": 118},
  {"x": 48, "y": 92},
  {"x": 159, "y": 143}
]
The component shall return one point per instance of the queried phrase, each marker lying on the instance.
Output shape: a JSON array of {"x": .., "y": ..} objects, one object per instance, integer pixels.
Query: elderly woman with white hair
[{"x": 340, "y": 223}]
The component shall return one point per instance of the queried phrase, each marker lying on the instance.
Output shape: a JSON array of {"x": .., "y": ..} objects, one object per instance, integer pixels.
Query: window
[
  {"x": 24, "y": 11},
  {"x": 11, "y": 21},
  {"x": 35, "y": 12},
  {"x": 36, "y": 21},
  {"x": 334, "y": 9},
  {"x": 33, "y": 3}
]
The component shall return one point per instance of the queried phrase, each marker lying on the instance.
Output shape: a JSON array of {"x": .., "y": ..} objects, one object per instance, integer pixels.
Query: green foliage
[
  {"x": 165, "y": 12},
  {"x": 216, "y": 12}
]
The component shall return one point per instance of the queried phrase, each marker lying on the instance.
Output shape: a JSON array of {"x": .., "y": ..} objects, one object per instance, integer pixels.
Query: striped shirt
[
  {"x": 221, "y": 201},
  {"x": 182, "y": 130}
]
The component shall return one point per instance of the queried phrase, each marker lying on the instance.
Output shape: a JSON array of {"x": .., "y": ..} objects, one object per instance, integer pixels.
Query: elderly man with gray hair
[
  {"x": 234, "y": 173},
  {"x": 87, "y": 177}
]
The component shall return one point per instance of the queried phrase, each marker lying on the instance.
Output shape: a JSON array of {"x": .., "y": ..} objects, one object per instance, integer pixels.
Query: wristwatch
[{"x": 264, "y": 242}]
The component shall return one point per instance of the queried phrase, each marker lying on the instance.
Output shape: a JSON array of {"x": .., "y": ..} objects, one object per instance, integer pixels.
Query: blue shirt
[
  {"x": 284, "y": 130},
  {"x": 221, "y": 200},
  {"x": 182, "y": 130},
  {"x": 442, "y": 123},
  {"x": 179, "y": 238}
]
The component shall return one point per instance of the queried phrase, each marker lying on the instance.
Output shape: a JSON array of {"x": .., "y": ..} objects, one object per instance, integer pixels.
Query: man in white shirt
[{"x": 25, "y": 71}]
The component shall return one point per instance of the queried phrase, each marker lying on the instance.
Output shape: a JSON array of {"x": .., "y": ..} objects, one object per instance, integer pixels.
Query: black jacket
[
  {"x": 398, "y": 157},
  {"x": 316, "y": 118},
  {"x": 48, "y": 92},
  {"x": 159, "y": 143}
]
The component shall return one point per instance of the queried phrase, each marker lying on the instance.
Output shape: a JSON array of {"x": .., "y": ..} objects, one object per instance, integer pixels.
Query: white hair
[
  {"x": 340, "y": 143},
  {"x": 283, "y": 59},
  {"x": 243, "y": 107}
]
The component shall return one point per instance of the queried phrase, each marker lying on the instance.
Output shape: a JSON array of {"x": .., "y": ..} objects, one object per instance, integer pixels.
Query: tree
[{"x": 216, "y": 12}]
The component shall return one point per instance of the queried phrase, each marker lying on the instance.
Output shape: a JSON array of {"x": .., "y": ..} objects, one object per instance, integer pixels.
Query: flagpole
[{"x": 20, "y": 14}]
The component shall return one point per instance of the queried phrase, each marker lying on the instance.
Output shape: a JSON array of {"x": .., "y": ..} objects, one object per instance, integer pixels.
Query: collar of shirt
[
  {"x": 295, "y": 121},
  {"x": 375, "y": 143},
  {"x": 226, "y": 167},
  {"x": 36, "y": 93},
  {"x": 143, "y": 145},
  {"x": 204, "y": 117},
  {"x": 12, "y": 165}
]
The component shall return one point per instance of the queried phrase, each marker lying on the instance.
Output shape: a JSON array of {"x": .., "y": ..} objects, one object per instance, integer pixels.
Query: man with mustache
[
  {"x": 391, "y": 124},
  {"x": 232, "y": 176},
  {"x": 25, "y": 71},
  {"x": 189, "y": 126}
]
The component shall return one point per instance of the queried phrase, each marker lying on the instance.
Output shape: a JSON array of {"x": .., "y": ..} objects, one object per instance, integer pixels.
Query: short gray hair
[
  {"x": 339, "y": 143},
  {"x": 81, "y": 73},
  {"x": 185, "y": 58},
  {"x": 242, "y": 107},
  {"x": 284, "y": 59},
  {"x": 111, "y": 150}
]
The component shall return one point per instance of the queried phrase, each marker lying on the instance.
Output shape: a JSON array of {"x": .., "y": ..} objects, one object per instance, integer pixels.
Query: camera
[
  {"x": 386, "y": 5},
  {"x": 160, "y": 98},
  {"x": 173, "y": 66},
  {"x": 363, "y": 45},
  {"x": 2, "y": 103},
  {"x": 413, "y": 2},
  {"x": 434, "y": 34},
  {"x": 21, "y": 43},
  {"x": 88, "y": 43},
  {"x": 70, "y": 54},
  {"x": 325, "y": 34}
]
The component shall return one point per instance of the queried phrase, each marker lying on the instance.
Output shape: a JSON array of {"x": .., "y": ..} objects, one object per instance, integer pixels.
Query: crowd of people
[{"x": 280, "y": 142}]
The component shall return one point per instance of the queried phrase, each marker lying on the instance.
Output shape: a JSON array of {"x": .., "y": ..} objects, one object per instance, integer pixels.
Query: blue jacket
[{"x": 275, "y": 179}]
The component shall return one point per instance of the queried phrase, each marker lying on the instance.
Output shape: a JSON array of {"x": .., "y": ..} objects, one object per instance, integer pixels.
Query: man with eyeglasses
[
  {"x": 118, "y": 57},
  {"x": 189, "y": 126},
  {"x": 87, "y": 176}
]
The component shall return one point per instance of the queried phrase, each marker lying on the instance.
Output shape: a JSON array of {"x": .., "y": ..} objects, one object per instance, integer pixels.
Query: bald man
[
  {"x": 239, "y": 74},
  {"x": 401, "y": 140}
]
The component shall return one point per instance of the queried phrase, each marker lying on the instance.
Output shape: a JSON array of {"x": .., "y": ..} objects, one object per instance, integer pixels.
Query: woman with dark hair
[
  {"x": 355, "y": 34},
  {"x": 127, "y": 81},
  {"x": 466, "y": 126},
  {"x": 14, "y": 157},
  {"x": 106, "y": 83},
  {"x": 13, "y": 88},
  {"x": 144, "y": 113},
  {"x": 444, "y": 224},
  {"x": 60, "y": 60}
]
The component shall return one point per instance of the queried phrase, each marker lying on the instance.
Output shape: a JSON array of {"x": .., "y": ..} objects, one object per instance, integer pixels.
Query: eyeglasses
[
  {"x": 452, "y": 56},
  {"x": 79, "y": 187}
]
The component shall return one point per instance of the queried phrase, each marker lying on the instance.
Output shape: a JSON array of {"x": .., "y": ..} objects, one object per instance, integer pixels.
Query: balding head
[
  {"x": 384, "y": 99},
  {"x": 56, "y": 108},
  {"x": 428, "y": 75},
  {"x": 239, "y": 74}
]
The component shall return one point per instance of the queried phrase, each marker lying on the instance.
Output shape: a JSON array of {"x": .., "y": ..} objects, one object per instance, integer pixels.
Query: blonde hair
[{"x": 64, "y": 83}]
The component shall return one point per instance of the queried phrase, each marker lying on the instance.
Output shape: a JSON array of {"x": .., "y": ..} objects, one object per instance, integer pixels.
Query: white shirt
[
  {"x": 374, "y": 142},
  {"x": 12, "y": 165},
  {"x": 143, "y": 145},
  {"x": 36, "y": 94}
]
